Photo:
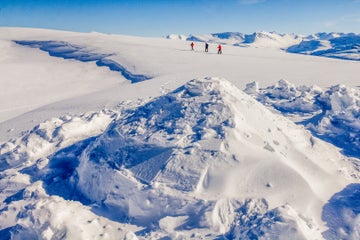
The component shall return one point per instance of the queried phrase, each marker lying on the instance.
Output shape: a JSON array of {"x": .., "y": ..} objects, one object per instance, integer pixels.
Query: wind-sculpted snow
[
  {"x": 333, "y": 115},
  {"x": 205, "y": 161},
  {"x": 145, "y": 161},
  {"x": 191, "y": 158},
  {"x": 70, "y": 51},
  {"x": 38, "y": 179}
]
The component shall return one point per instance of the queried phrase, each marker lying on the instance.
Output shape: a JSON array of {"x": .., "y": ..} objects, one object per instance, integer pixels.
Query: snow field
[{"x": 170, "y": 158}]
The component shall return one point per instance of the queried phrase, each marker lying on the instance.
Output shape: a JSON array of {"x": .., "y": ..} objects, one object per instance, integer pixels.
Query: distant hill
[{"x": 334, "y": 45}]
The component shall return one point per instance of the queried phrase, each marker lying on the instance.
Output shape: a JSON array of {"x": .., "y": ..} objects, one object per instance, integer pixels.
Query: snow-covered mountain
[
  {"x": 334, "y": 45},
  {"x": 257, "y": 39},
  {"x": 119, "y": 137},
  {"x": 340, "y": 46}
]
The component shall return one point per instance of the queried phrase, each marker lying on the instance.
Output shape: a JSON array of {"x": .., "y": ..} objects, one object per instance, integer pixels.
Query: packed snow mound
[
  {"x": 333, "y": 115},
  {"x": 206, "y": 156}
]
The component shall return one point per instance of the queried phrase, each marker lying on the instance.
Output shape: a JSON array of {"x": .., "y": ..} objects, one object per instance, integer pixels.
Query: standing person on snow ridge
[
  {"x": 206, "y": 47},
  {"x": 192, "y": 46},
  {"x": 219, "y": 49}
]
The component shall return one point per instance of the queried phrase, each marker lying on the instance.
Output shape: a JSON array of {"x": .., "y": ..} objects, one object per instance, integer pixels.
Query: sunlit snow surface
[
  {"x": 176, "y": 157},
  {"x": 332, "y": 45},
  {"x": 332, "y": 114}
]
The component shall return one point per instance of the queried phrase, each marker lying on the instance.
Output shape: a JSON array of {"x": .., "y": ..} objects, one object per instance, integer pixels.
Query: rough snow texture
[
  {"x": 333, "y": 115},
  {"x": 334, "y": 45},
  {"x": 86, "y": 155},
  {"x": 36, "y": 179},
  {"x": 212, "y": 155}
]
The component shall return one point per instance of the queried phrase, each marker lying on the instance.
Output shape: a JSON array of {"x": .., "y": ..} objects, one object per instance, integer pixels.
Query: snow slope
[{"x": 93, "y": 154}]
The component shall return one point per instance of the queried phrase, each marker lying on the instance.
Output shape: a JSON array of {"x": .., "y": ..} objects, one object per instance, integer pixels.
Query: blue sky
[{"x": 162, "y": 17}]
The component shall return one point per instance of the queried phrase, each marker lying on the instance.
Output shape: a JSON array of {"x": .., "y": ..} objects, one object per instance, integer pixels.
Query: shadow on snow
[
  {"x": 342, "y": 214},
  {"x": 69, "y": 51}
]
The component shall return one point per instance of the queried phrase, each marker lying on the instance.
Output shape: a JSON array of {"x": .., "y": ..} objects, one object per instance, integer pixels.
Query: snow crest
[{"x": 71, "y": 51}]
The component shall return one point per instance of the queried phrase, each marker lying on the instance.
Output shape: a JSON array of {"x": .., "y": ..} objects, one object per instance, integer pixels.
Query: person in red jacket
[
  {"x": 192, "y": 46},
  {"x": 219, "y": 49}
]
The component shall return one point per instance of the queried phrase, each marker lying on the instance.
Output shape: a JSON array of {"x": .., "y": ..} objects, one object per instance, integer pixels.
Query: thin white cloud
[
  {"x": 250, "y": 2},
  {"x": 344, "y": 20}
]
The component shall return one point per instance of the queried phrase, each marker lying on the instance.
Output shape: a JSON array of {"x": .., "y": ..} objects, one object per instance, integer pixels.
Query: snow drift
[{"x": 204, "y": 156}]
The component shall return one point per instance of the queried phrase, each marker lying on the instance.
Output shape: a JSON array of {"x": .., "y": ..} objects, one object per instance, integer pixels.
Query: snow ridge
[{"x": 70, "y": 51}]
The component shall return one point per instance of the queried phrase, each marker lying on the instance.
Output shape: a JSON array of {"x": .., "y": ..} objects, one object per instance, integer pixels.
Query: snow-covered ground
[
  {"x": 333, "y": 45},
  {"x": 118, "y": 137}
]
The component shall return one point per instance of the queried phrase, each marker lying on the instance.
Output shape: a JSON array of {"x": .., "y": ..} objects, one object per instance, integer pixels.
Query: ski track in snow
[{"x": 70, "y": 51}]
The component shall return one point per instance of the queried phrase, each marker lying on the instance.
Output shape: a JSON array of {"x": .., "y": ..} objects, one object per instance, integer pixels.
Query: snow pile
[
  {"x": 37, "y": 177},
  {"x": 333, "y": 115},
  {"x": 207, "y": 156},
  {"x": 341, "y": 120},
  {"x": 286, "y": 97},
  {"x": 50, "y": 136}
]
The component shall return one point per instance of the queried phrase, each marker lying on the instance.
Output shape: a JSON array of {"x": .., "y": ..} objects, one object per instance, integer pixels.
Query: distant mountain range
[{"x": 334, "y": 45}]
